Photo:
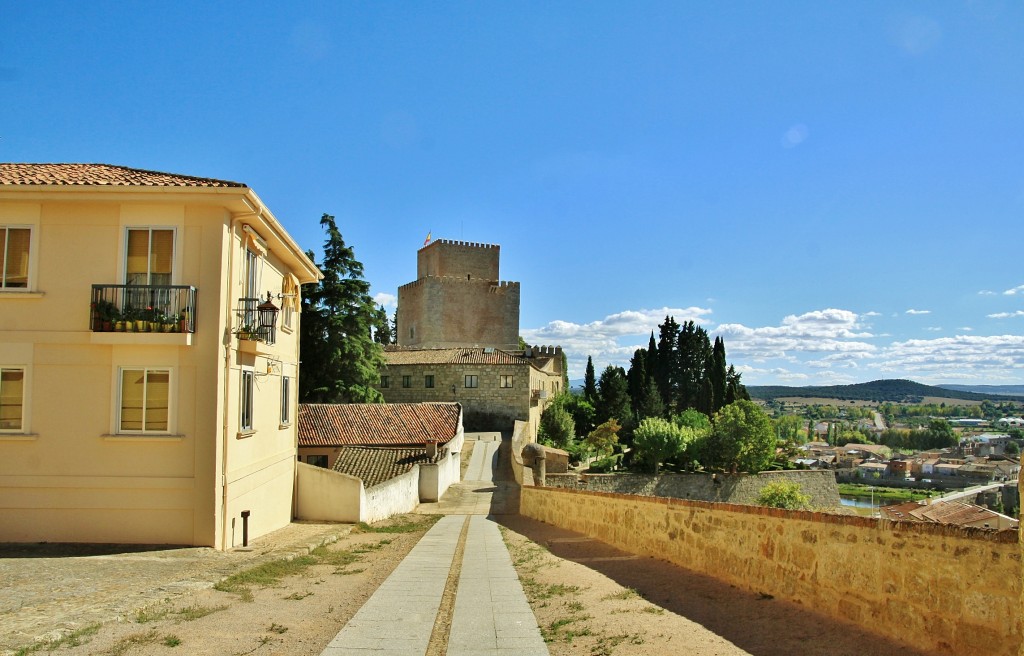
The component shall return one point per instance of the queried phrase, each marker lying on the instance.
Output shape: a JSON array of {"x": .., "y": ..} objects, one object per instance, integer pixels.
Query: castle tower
[{"x": 458, "y": 299}]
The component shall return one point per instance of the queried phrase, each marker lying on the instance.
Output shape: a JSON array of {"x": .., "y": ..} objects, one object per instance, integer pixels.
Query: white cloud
[
  {"x": 1014, "y": 290},
  {"x": 820, "y": 331},
  {"x": 795, "y": 136},
  {"x": 601, "y": 339},
  {"x": 986, "y": 292},
  {"x": 934, "y": 329},
  {"x": 389, "y": 301},
  {"x": 1006, "y": 315},
  {"x": 964, "y": 357},
  {"x": 965, "y": 328},
  {"x": 913, "y": 311},
  {"x": 871, "y": 314}
]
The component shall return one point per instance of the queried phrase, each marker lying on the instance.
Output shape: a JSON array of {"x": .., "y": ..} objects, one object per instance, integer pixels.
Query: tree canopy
[
  {"x": 743, "y": 439},
  {"x": 340, "y": 361}
]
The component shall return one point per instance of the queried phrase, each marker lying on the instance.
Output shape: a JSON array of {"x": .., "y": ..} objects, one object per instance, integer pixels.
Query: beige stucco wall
[
  {"x": 327, "y": 496},
  {"x": 69, "y": 476},
  {"x": 940, "y": 588}
]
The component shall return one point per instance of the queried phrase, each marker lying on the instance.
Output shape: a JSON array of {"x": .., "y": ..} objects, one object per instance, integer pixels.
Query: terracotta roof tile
[
  {"x": 100, "y": 175},
  {"x": 377, "y": 465},
  {"x": 377, "y": 424},
  {"x": 396, "y": 355}
]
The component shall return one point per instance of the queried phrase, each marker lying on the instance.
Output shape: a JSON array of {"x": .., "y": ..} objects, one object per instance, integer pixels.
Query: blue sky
[{"x": 836, "y": 188}]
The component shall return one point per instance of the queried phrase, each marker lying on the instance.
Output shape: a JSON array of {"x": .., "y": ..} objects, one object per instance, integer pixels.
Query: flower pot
[
  {"x": 120, "y": 326},
  {"x": 154, "y": 327},
  {"x": 140, "y": 326},
  {"x": 107, "y": 326}
]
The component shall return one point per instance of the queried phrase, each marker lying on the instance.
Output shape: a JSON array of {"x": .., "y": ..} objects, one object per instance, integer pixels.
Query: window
[
  {"x": 286, "y": 386},
  {"x": 149, "y": 256},
  {"x": 505, "y": 381},
  {"x": 251, "y": 271},
  {"x": 144, "y": 401},
  {"x": 317, "y": 461},
  {"x": 14, "y": 251},
  {"x": 406, "y": 381},
  {"x": 12, "y": 399},
  {"x": 471, "y": 381},
  {"x": 245, "y": 419},
  {"x": 385, "y": 381},
  {"x": 428, "y": 381}
]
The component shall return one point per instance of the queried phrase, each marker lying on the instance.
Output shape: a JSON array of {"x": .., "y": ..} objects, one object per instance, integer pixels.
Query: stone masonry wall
[
  {"x": 450, "y": 312},
  {"x": 486, "y": 407},
  {"x": 458, "y": 259},
  {"x": 820, "y": 485},
  {"x": 943, "y": 589}
]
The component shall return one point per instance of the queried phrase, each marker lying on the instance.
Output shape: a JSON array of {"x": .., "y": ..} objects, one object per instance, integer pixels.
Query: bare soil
[
  {"x": 590, "y": 598},
  {"x": 295, "y": 616}
]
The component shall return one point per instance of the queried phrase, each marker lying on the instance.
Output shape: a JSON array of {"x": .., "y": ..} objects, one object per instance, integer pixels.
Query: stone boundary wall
[
  {"x": 520, "y": 438},
  {"x": 726, "y": 488},
  {"x": 940, "y": 588}
]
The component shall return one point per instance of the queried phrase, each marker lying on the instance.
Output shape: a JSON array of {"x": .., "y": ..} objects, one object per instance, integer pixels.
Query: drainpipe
[{"x": 227, "y": 385}]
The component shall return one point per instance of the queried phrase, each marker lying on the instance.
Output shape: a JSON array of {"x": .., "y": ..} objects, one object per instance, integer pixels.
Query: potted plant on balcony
[
  {"x": 247, "y": 331},
  {"x": 104, "y": 314},
  {"x": 183, "y": 321}
]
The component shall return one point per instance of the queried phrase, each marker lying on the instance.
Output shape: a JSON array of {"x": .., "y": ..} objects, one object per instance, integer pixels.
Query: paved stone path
[{"x": 490, "y": 615}]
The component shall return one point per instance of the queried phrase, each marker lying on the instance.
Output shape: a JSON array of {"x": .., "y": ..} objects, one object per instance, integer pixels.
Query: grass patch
[
  {"x": 122, "y": 646},
  {"x": 264, "y": 575},
  {"x": 298, "y": 596},
  {"x": 341, "y": 571},
  {"x": 277, "y": 628},
  {"x": 404, "y": 526},
  {"x": 171, "y": 641},
  {"x": 73, "y": 639},
  {"x": 888, "y": 493},
  {"x": 557, "y": 630},
  {"x": 628, "y": 593},
  {"x": 195, "y": 612},
  {"x": 654, "y": 610},
  {"x": 150, "y": 615}
]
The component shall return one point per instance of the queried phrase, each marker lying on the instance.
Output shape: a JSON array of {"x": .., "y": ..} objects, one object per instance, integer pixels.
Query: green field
[{"x": 889, "y": 493}]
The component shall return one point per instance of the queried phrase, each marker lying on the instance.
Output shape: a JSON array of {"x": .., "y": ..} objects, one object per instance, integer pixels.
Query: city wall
[
  {"x": 940, "y": 588},
  {"x": 820, "y": 485}
]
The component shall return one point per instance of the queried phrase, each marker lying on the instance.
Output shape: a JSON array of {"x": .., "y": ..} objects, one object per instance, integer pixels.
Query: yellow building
[{"x": 148, "y": 389}]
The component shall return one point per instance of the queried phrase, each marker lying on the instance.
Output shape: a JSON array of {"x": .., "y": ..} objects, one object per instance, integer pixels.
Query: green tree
[
  {"x": 789, "y": 428},
  {"x": 743, "y": 439},
  {"x": 612, "y": 396},
  {"x": 657, "y": 440},
  {"x": 650, "y": 404},
  {"x": 590, "y": 382},
  {"x": 557, "y": 428},
  {"x": 784, "y": 494},
  {"x": 382, "y": 327},
  {"x": 581, "y": 411},
  {"x": 340, "y": 361},
  {"x": 602, "y": 440},
  {"x": 694, "y": 419},
  {"x": 1012, "y": 449}
]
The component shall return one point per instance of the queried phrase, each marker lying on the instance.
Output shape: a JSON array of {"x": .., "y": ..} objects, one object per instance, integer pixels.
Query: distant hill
[
  {"x": 998, "y": 390},
  {"x": 895, "y": 391}
]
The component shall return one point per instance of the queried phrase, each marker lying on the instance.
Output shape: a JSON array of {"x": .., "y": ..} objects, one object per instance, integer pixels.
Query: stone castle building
[
  {"x": 458, "y": 340},
  {"x": 458, "y": 299}
]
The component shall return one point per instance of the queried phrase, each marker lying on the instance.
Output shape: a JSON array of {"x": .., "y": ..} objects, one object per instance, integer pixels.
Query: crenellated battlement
[
  {"x": 494, "y": 286},
  {"x": 467, "y": 244},
  {"x": 546, "y": 351}
]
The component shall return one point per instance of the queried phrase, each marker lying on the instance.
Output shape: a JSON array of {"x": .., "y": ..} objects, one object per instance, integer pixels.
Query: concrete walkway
[
  {"x": 456, "y": 593},
  {"x": 407, "y": 615}
]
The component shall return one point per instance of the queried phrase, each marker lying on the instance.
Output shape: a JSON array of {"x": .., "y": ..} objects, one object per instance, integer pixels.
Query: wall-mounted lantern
[{"x": 267, "y": 315}]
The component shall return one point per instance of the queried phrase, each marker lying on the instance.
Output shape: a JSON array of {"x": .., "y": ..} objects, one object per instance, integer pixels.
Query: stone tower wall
[
  {"x": 448, "y": 312},
  {"x": 445, "y": 258}
]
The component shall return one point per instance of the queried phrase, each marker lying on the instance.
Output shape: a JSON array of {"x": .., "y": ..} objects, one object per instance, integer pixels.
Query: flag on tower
[{"x": 427, "y": 240}]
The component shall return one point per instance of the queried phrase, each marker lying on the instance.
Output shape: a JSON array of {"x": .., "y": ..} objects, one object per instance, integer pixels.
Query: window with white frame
[
  {"x": 286, "y": 414},
  {"x": 289, "y": 302},
  {"x": 144, "y": 400},
  {"x": 12, "y": 398},
  {"x": 246, "y": 400},
  {"x": 149, "y": 256},
  {"x": 252, "y": 264},
  {"x": 504, "y": 381},
  {"x": 15, "y": 243}
]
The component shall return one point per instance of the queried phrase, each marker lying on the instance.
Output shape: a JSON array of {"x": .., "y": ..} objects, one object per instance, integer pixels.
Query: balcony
[
  {"x": 256, "y": 321},
  {"x": 143, "y": 309}
]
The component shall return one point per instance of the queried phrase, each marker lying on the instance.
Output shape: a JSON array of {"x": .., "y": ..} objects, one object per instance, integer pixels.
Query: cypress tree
[
  {"x": 590, "y": 382},
  {"x": 667, "y": 372},
  {"x": 612, "y": 397},
  {"x": 341, "y": 362},
  {"x": 636, "y": 379},
  {"x": 716, "y": 374}
]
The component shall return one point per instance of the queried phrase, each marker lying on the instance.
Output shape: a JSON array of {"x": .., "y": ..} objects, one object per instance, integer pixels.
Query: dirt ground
[
  {"x": 296, "y": 615},
  {"x": 590, "y": 598}
]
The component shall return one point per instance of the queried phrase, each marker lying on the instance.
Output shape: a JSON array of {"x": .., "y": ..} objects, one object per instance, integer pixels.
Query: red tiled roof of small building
[
  {"x": 374, "y": 465},
  {"x": 376, "y": 424},
  {"x": 100, "y": 175},
  {"x": 397, "y": 355}
]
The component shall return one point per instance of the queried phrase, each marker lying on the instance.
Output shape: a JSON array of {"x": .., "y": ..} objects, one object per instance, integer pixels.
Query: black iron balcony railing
[
  {"x": 143, "y": 309},
  {"x": 252, "y": 324}
]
